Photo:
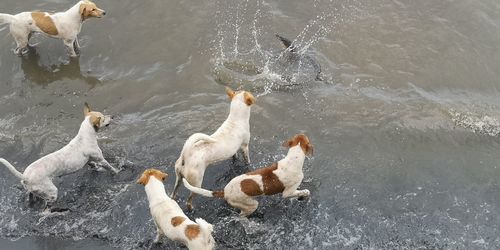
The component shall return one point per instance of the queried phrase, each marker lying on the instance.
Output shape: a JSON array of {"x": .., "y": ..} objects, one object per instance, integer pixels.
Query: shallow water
[{"x": 405, "y": 122}]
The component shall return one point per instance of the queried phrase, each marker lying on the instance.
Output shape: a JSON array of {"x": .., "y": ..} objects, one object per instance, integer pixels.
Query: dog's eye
[{"x": 93, "y": 9}]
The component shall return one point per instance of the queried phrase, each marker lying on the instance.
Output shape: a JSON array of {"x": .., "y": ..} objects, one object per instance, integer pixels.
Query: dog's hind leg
[
  {"x": 70, "y": 47},
  {"x": 21, "y": 34},
  {"x": 159, "y": 233},
  {"x": 178, "y": 179},
  {"x": 247, "y": 206},
  {"x": 195, "y": 180},
  {"x": 31, "y": 199},
  {"x": 49, "y": 193}
]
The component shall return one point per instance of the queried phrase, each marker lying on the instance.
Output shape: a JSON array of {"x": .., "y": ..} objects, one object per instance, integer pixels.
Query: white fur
[
  {"x": 289, "y": 172},
  {"x": 199, "y": 152},
  {"x": 163, "y": 209},
  {"x": 37, "y": 177},
  {"x": 68, "y": 23}
]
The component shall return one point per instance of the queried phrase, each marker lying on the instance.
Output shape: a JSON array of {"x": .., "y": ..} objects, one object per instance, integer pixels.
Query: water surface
[{"x": 405, "y": 122}]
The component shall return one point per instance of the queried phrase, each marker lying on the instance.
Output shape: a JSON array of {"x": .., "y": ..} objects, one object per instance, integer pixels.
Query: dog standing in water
[
  {"x": 285, "y": 176},
  {"x": 169, "y": 218},
  {"x": 62, "y": 25},
  {"x": 37, "y": 177},
  {"x": 201, "y": 150}
]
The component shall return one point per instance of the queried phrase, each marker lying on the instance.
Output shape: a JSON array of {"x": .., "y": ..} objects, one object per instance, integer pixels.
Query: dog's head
[
  {"x": 243, "y": 96},
  {"x": 89, "y": 9},
  {"x": 301, "y": 140},
  {"x": 144, "y": 179},
  {"x": 97, "y": 119}
]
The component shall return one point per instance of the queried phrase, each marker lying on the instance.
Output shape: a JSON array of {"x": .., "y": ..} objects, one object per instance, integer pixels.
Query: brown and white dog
[
  {"x": 200, "y": 150},
  {"x": 284, "y": 177},
  {"x": 82, "y": 149},
  {"x": 169, "y": 218},
  {"x": 63, "y": 25}
]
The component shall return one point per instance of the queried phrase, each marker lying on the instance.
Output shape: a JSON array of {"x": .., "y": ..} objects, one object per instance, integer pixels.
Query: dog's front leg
[
  {"x": 296, "y": 193},
  {"x": 69, "y": 43},
  {"x": 106, "y": 164},
  {"x": 246, "y": 153},
  {"x": 95, "y": 166},
  {"x": 76, "y": 46}
]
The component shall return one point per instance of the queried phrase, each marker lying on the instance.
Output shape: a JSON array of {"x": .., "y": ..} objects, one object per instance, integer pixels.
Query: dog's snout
[
  {"x": 112, "y": 117},
  {"x": 104, "y": 13},
  {"x": 107, "y": 125}
]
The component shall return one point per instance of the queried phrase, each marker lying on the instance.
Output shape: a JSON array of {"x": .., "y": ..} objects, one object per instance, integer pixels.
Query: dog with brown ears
[
  {"x": 82, "y": 149},
  {"x": 62, "y": 25},
  {"x": 201, "y": 150},
  {"x": 169, "y": 218},
  {"x": 285, "y": 176}
]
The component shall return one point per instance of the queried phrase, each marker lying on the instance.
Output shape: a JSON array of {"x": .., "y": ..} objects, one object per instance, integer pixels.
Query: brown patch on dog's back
[
  {"x": 144, "y": 179},
  {"x": 271, "y": 182},
  {"x": 192, "y": 231},
  {"x": 250, "y": 187},
  {"x": 45, "y": 23},
  {"x": 177, "y": 220}
]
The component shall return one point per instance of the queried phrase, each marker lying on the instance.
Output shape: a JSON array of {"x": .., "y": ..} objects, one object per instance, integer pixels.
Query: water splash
[
  {"x": 242, "y": 57},
  {"x": 478, "y": 124}
]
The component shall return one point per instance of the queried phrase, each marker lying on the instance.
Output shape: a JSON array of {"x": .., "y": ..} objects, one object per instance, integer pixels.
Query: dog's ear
[
  {"x": 82, "y": 10},
  {"x": 86, "y": 109},
  {"x": 287, "y": 143},
  {"x": 163, "y": 176},
  {"x": 249, "y": 98},
  {"x": 159, "y": 174},
  {"x": 143, "y": 180},
  {"x": 309, "y": 149},
  {"x": 95, "y": 121},
  {"x": 230, "y": 93}
]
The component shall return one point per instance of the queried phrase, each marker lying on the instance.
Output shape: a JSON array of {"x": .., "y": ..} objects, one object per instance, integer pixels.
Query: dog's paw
[
  {"x": 305, "y": 194},
  {"x": 157, "y": 240}
]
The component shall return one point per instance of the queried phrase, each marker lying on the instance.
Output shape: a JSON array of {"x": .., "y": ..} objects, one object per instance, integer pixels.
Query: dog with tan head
[
  {"x": 169, "y": 218},
  {"x": 200, "y": 150},
  {"x": 285, "y": 176},
  {"x": 62, "y": 25},
  {"x": 82, "y": 149}
]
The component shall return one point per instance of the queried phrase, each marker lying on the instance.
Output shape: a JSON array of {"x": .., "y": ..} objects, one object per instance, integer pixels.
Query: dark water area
[{"x": 405, "y": 120}]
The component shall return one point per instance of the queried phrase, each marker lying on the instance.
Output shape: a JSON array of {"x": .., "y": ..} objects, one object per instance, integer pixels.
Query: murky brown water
[{"x": 405, "y": 122}]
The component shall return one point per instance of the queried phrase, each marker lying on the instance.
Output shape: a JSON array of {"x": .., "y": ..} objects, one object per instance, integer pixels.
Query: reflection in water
[{"x": 44, "y": 72}]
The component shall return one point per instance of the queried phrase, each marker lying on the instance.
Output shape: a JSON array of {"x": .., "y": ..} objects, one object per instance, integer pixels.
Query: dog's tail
[
  {"x": 203, "y": 192},
  {"x": 206, "y": 227},
  {"x": 6, "y": 18},
  {"x": 11, "y": 168},
  {"x": 191, "y": 141}
]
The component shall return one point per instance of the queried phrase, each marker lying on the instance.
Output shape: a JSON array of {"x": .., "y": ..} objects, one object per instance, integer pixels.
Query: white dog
[
  {"x": 37, "y": 177},
  {"x": 63, "y": 25},
  {"x": 200, "y": 150},
  {"x": 282, "y": 177},
  {"x": 169, "y": 218}
]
